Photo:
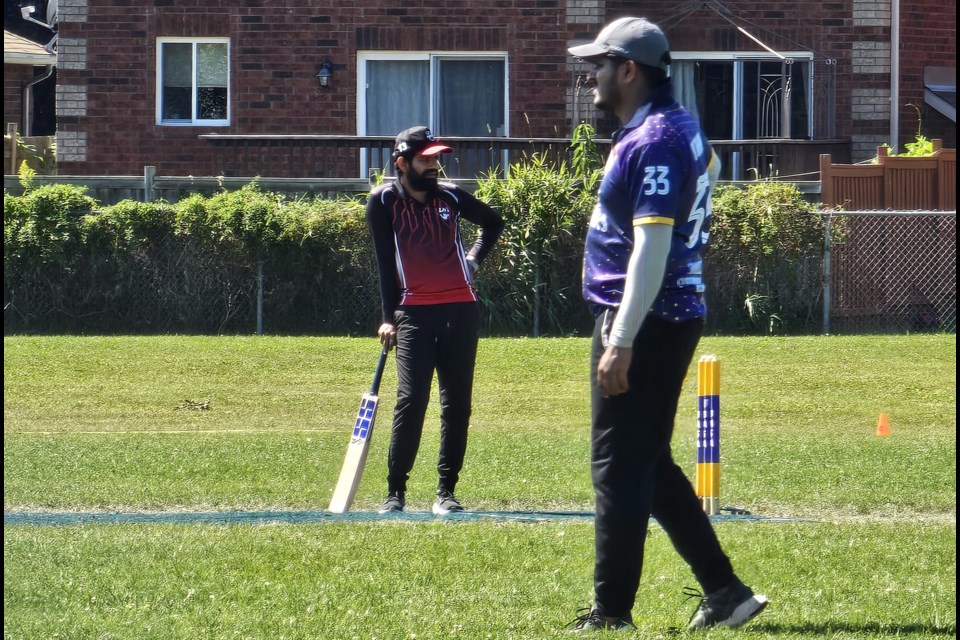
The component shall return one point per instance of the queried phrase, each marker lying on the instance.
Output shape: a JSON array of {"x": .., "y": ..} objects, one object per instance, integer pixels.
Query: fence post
[
  {"x": 149, "y": 173},
  {"x": 12, "y": 132},
  {"x": 259, "y": 297},
  {"x": 826, "y": 181},
  {"x": 827, "y": 271},
  {"x": 882, "y": 155}
]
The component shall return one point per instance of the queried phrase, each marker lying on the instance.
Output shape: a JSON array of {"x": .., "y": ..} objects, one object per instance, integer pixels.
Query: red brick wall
[
  {"x": 276, "y": 50},
  {"x": 14, "y": 77},
  {"x": 928, "y": 38},
  {"x": 824, "y": 28}
]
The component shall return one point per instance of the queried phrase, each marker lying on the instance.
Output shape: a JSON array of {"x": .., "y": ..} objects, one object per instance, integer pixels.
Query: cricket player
[
  {"x": 643, "y": 265},
  {"x": 430, "y": 306}
]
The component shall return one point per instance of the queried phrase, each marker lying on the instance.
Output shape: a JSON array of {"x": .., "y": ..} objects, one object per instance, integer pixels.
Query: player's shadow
[{"x": 827, "y": 629}]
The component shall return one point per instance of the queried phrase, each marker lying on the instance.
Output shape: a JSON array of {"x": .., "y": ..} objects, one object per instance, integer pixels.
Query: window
[
  {"x": 455, "y": 94},
  {"x": 193, "y": 81},
  {"x": 745, "y": 96}
]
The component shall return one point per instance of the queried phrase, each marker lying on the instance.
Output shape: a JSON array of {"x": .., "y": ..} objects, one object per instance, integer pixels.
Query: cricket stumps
[{"x": 708, "y": 434}]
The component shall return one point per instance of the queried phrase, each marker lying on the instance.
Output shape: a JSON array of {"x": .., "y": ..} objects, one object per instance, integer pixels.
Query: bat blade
[{"x": 356, "y": 457}]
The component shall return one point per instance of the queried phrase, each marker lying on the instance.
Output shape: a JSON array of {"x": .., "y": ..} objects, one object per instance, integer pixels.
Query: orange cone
[{"x": 883, "y": 425}]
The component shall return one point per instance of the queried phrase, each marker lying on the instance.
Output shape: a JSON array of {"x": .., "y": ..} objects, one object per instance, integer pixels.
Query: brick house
[
  {"x": 25, "y": 65},
  {"x": 249, "y": 87}
]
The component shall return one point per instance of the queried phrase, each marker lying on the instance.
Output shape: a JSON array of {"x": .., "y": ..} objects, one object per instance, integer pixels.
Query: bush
[
  {"x": 532, "y": 283},
  {"x": 195, "y": 266},
  {"x": 45, "y": 222},
  {"x": 763, "y": 261},
  {"x": 191, "y": 267}
]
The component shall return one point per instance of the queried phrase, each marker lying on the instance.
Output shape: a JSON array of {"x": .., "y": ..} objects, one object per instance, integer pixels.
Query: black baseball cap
[
  {"x": 635, "y": 39},
  {"x": 418, "y": 141}
]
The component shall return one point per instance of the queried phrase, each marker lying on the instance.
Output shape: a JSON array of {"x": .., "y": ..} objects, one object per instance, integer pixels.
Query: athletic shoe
[
  {"x": 446, "y": 503},
  {"x": 592, "y": 620},
  {"x": 393, "y": 503},
  {"x": 732, "y": 606}
]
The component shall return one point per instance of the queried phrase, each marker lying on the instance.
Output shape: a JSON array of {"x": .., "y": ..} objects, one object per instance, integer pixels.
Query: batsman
[
  {"x": 430, "y": 306},
  {"x": 643, "y": 280}
]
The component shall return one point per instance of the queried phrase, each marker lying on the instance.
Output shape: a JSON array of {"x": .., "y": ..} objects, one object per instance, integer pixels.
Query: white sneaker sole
[
  {"x": 440, "y": 511},
  {"x": 746, "y": 612}
]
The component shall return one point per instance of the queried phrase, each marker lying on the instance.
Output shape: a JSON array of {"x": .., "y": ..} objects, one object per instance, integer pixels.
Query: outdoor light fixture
[{"x": 325, "y": 74}]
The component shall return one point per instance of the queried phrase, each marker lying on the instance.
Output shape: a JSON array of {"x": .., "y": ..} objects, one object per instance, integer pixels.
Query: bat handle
[{"x": 378, "y": 376}]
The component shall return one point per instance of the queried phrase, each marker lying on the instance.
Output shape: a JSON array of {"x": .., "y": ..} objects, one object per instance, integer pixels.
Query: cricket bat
[{"x": 352, "y": 469}]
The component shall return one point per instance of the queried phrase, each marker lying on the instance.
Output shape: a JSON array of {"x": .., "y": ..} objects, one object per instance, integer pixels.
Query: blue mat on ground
[{"x": 37, "y": 518}]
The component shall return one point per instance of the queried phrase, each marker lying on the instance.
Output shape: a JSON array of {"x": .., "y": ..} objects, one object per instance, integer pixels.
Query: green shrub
[
  {"x": 533, "y": 285},
  {"x": 194, "y": 265},
  {"x": 46, "y": 221},
  {"x": 763, "y": 259},
  {"x": 133, "y": 222}
]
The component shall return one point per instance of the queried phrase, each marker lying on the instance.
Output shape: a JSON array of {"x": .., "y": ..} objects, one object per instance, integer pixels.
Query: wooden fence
[
  {"x": 36, "y": 150},
  {"x": 924, "y": 183}
]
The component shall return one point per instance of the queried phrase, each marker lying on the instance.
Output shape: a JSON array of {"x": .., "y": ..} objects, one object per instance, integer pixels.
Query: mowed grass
[{"x": 92, "y": 424}]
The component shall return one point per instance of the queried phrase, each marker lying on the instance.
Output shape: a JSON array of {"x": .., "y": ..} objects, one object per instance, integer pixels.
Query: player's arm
[
  {"x": 378, "y": 218},
  {"x": 483, "y": 215},
  {"x": 645, "y": 271}
]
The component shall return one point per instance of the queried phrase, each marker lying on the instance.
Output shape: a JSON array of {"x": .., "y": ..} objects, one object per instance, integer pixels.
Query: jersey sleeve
[
  {"x": 484, "y": 216},
  {"x": 381, "y": 229},
  {"x": 655, "y": 178}
]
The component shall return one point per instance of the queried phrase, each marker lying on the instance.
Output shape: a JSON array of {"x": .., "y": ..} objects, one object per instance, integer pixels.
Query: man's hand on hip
[{"x": 612, "y": 370}]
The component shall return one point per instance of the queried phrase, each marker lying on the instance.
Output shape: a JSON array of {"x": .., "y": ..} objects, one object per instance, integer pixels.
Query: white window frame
[
  {"x": 751, "y": 56},
  {"x": 434, "y": 57},
  {"x": 193, "y": 122}
]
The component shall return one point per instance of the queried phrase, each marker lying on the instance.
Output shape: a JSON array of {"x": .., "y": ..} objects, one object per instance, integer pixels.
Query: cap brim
[
  {"x": 434, "y": 149},
  {"x": 591, "y": 50}
]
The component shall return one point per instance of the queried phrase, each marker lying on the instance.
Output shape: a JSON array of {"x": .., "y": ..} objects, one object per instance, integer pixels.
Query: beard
[
  {"x": 609, "y": 99},
  {"x": 422, "y": 181}
]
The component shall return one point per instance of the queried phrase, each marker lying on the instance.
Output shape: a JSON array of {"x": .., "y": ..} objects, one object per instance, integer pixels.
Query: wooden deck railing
[
  {"x": 330, "y": 165},
  {"x": 358, "y": 156}
]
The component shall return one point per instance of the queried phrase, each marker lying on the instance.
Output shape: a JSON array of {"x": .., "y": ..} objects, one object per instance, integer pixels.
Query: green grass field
[{"x": 93, "y": 424}]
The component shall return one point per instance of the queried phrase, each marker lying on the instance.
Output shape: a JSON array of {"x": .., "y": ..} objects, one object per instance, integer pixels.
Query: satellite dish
[{"x": 51, "y": 12}]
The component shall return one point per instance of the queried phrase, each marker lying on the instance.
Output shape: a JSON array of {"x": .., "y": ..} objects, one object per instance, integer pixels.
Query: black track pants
[
  {"x": 440, "y": 337},
  {"x": 634, "y": 475}
]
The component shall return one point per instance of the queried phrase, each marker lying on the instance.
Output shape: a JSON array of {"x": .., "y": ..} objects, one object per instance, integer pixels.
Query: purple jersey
[{"x": 657, "y": 173}]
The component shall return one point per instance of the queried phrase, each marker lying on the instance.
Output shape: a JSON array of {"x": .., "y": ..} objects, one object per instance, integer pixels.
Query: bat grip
[{"x": 378, "y": 376}]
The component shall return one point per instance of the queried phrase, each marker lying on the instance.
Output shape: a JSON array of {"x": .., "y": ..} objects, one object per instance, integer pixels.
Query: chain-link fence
[
  {"x": 890, "y": 271},
  {"x": 880, "y": 272},
  {"x": 179, "y": 284}
]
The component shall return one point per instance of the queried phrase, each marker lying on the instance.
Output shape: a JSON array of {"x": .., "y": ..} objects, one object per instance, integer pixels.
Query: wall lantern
[{"x": 325, "y": 75}]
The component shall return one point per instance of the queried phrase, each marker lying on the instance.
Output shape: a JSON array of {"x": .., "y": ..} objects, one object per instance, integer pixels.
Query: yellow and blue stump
[{"x": 708, "y": 433}]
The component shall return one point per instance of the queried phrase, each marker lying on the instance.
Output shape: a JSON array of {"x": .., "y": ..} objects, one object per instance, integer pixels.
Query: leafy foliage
[
  {"x": 919, "y": 148},
  {"x": 765, "y": 240},
  {"x": 71, "y": 266},
  {"x": 534, "y": 285},
  {"x": 190, "y": 266},
  {"x": 45, "y": 223},
  {"x": 587, "y": 161}
]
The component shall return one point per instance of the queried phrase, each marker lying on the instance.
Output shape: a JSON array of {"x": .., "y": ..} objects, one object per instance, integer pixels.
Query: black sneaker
[
  {"x": 446, "y": 503},
  {"x": 592, "y": 620},
  {"x": 732, "y": 606},
  {"x": 393, "y": 503}
]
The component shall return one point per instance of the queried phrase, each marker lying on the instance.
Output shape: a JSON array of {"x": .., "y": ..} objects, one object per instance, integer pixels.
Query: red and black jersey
[{"x": 420, "y": 253}]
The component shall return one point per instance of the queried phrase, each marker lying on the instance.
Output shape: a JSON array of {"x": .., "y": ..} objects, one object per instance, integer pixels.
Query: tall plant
[
  {"x": 765, "y": 241},
  {"x": 536, "y": 280}
]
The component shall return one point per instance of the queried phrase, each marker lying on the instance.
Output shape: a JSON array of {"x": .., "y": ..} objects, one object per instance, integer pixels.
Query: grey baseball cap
[{"x": 636, "y": 39}]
